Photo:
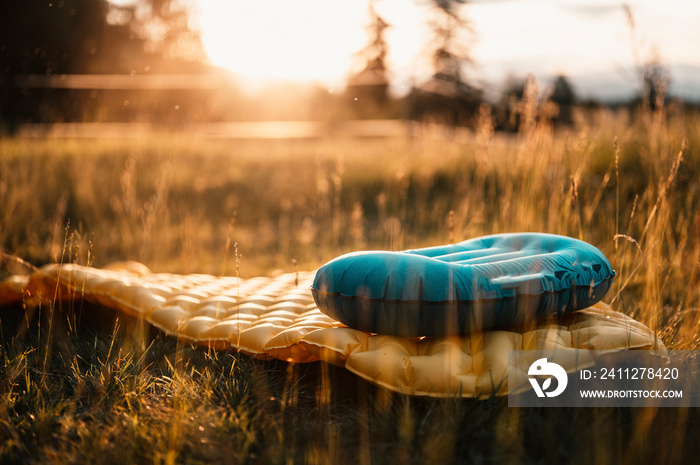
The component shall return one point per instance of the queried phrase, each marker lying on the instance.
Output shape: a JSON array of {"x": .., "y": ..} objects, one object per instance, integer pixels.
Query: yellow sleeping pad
[{"x": 277, "y": 318}]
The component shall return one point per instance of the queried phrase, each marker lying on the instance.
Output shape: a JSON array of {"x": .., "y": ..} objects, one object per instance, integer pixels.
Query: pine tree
[{"x": 369, "y": 86}]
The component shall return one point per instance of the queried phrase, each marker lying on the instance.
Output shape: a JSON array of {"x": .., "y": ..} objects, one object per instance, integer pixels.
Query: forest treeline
[{"x": 42, "y": 40}]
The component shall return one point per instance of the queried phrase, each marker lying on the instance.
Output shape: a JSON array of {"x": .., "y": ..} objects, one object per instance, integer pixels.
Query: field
[{"x": 79, "y": 390}]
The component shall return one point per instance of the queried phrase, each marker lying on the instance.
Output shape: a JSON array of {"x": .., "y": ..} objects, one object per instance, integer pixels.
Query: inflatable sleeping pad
[
  {"x": 276, "y": 317},
  {"x": 498, "y": 281}
]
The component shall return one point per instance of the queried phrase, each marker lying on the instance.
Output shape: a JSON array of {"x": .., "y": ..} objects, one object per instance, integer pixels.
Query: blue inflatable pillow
[{"x": 499, "y": 281}]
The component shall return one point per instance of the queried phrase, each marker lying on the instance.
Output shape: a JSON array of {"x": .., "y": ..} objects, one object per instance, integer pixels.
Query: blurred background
[{"x": 189, "y": 62}]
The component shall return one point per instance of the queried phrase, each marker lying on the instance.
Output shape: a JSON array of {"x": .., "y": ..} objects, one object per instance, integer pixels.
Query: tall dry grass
[
  {"x": 626, "y": 183},
  {"x": 76, "y": 392}
]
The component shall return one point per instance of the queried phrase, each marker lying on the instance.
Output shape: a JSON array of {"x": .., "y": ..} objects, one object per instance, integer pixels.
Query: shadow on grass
[{"x": 80, "y": 387}]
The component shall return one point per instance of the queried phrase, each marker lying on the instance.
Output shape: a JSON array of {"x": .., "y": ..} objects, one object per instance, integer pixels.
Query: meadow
[{"x": 88, "y": 389}]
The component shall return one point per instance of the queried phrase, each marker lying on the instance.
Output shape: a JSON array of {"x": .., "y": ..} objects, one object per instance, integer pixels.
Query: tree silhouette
[
  {"x": 450, "y": 52},
  {"x": 655, "y": 81},
  {"x": 447, "y": 97},
  {"x": 508, "y": 106},
  {"x": 39, "y": 37},
  {"x": 564, "y": 97},
  {"x": 369, "y": 85},
  {"x": 165, "y": 26},
  {"x": 70, "y": 36}
]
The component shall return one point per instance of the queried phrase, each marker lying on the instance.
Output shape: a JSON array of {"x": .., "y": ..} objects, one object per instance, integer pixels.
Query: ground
[{"x": 77, "y": 386}]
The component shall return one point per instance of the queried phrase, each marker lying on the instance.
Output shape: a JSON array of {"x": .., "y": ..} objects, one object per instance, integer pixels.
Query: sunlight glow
[
  {"x": 301, "y": 40},
  {"x": 317, "y": 40},
  {"x": 306, "y": 40}
]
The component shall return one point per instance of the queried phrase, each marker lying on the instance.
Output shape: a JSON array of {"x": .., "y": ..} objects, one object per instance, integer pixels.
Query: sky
[{"x": 588, "y": 40}]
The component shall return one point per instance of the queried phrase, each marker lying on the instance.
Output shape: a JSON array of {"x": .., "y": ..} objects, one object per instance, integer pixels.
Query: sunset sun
[
  {"x": 307, "y": 40},
  {"x": 311, "y": 40}
]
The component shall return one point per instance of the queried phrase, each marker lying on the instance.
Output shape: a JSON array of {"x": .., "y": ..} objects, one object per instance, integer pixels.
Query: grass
[
  {"x": 171, "y": 403},
  {"x": 76, "y": 387}
]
